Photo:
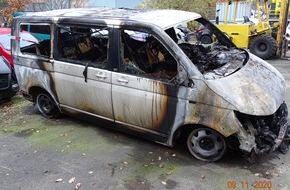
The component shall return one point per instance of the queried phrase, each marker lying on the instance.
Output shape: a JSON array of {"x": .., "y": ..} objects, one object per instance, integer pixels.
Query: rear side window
[
  {"x": 35, "y": 42},
  {"x": 83, "y": 45}
]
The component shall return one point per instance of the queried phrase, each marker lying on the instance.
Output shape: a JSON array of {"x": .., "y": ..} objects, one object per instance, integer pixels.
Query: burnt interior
[
  {"x": 267, "y": 128},
  {"x": 41, "y": 48},
  {"x": 144, "y": 55},
  {"x": 87, "y": 46}
]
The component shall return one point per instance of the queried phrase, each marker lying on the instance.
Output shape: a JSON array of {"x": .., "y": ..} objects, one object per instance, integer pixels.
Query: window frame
[
  {"x": 39, "y": 55},
  {"x": 57, "y": 55},
  {"x": 158, "y": 38}
]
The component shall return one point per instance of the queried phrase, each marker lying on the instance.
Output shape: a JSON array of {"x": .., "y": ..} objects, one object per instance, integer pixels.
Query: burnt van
[{"x": 130, "y": 68}]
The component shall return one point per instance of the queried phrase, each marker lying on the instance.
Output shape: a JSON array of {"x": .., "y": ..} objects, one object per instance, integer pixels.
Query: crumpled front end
[{"x": 264, "y": 134}]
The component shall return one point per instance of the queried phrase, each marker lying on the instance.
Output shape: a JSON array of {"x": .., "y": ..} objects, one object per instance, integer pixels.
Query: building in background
[
  {"x": 36, "y": 5},
  {"x": 44, "y": 5},
  {"x": 114, "y": 3}
]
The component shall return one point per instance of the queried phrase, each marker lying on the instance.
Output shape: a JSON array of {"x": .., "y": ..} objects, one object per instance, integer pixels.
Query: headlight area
[{"x": 269, "y": 132}]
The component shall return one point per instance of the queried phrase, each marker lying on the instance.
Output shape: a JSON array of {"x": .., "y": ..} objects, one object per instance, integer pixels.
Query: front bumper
[
  {"x": 10, "y": 92},
  {"x": 264, "y": 134}
]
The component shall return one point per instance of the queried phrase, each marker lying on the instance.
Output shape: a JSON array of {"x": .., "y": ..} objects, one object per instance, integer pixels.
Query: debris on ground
[
  {"x": 78, "y": 185},
  {"x": 72, "y": 180},
  {"x": 58, "y": 180}
]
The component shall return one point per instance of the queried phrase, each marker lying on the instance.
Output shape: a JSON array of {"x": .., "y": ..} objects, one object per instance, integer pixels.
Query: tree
[
  {"x": 8, "y": 7},
  {"x": 204, "y": 7}
]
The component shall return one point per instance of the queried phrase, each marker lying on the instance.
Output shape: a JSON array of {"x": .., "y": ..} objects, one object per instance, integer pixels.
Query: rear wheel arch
[
  {"x": 40, "y": 95},
  {"x": 34, "y": 91}
]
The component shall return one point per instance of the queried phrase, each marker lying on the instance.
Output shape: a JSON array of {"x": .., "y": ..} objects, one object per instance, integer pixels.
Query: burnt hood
[{"x": 255, "y": 89}]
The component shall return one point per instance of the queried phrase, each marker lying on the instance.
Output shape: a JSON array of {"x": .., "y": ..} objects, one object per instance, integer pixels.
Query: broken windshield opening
[{"x": 209, "y": 49}]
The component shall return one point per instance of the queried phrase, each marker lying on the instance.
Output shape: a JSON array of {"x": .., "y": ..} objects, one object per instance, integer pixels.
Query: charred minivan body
[{"x": 128, "y": 67}]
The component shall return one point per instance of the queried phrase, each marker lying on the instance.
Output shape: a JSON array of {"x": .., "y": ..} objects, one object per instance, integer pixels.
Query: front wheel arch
[
  {"x": 183, "y": 132},
  {"x": 206, "y": 144}
]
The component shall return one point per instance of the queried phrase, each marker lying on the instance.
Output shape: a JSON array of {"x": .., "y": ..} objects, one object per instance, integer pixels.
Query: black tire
[
  {"x": 263, "y": 46},
  {"x": 205, "y": 39},
  {"x": 206, "y": 144},
  {"x": 46, "y": 105}
]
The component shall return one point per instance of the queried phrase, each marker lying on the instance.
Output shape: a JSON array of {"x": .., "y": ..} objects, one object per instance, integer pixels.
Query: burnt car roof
[{"x": 162, "y": 18}]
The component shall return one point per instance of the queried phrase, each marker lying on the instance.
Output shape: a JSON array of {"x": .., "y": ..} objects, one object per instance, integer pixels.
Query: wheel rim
[
  {"x": 206, "y": 40},
  {"x": 206, "y": 144},
  {"x": 262, "y": 47},
  {"x": 45, "y": 105}
]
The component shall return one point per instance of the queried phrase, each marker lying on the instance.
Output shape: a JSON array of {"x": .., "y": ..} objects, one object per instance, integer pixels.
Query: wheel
[
  {"x": 47, "y": 106},
  {"x": 206, "y": 144},
  {"x": 263, "y": 46},
  {"x": 206, "y": 39}
]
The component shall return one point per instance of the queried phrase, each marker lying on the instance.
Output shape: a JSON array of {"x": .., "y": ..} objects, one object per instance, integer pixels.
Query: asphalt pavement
[{"x": 67, "y": 153}]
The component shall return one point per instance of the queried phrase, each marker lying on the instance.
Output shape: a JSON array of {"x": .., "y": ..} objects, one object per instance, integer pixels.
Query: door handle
[
  {"x": 122, "y": 80},
  {"x": 101, "y": 75}
]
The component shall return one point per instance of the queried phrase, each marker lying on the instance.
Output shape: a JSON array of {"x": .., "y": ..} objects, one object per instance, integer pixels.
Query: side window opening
[
  {"x": 83, "y": 45},
  {"x": 30, "y": 43},
  {"x": 142, "y": 54}
]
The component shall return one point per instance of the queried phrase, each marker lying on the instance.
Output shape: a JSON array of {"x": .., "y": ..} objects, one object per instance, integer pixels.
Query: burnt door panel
[
  {"x": 83, "y": 80},
  {"x": 93, "y": 96},
  {"x": 140, "y": 102},
  {"x": 140, "y": 90}
]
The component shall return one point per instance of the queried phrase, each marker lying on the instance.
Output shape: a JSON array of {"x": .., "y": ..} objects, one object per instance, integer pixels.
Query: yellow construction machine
[
  {"x": 276, "y": 7},
  {"x": 254, "y": 34}
]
